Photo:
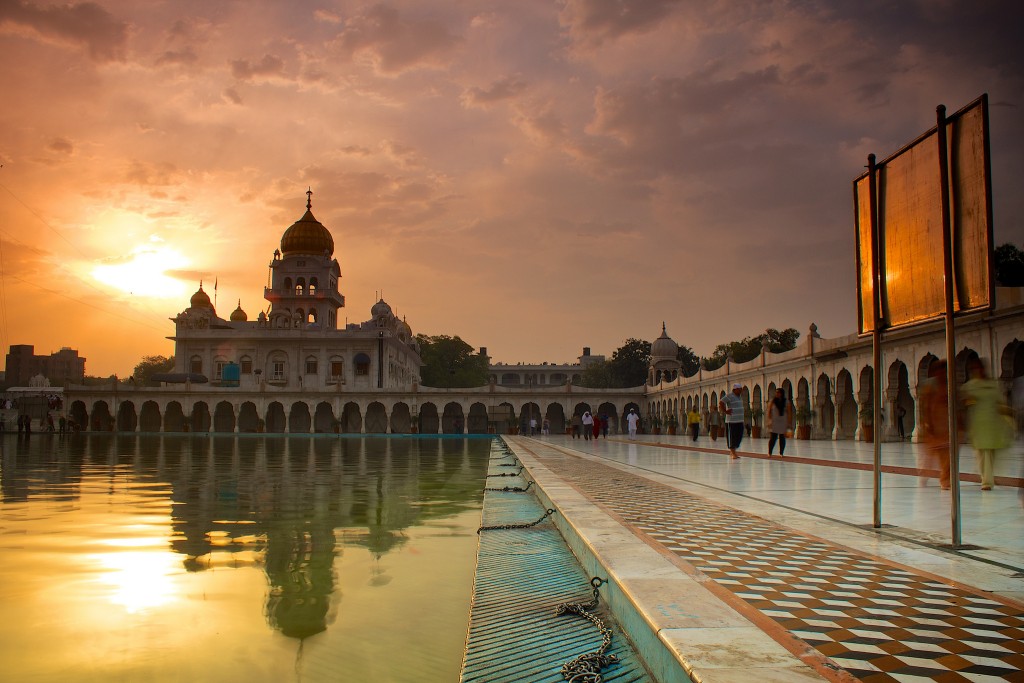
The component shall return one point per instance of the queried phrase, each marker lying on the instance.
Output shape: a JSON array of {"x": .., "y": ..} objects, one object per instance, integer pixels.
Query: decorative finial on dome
[
  {"x": 309, "y": 198},
  {"x": 663, "y": 330}
]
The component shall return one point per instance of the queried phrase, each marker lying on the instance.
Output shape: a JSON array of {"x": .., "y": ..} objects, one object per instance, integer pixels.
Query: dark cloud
[
  {"x": 159, "y": 174},
  {"x": 244, "y": 70},
  {"x": 61, "y": 146},
  {"x": 231, "y": 95},
  {"x": 86, "y": 24},
  {"x": 596, "y": 20},
  {"x": 185, "y": 56},
  {"x": 502, "y": 89},
  {"x": 395, "y": 44}
]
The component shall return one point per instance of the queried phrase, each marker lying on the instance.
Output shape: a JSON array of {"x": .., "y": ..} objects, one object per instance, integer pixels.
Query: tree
[
  {"x": 1008, "y": 263},
  {"x": 152, "y": 365},
  {"x": 689, "y": 361},
  {"x": 450, "y": 362},
  {"x": 626, "y": 368},
  {"x": 749, "y": 348}
]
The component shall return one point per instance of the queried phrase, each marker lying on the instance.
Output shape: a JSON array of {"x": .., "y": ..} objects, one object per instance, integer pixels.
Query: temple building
[{"x": 297, "y": 344}]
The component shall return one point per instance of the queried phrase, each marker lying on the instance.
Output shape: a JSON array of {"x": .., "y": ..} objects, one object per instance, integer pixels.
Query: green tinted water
[{"x": 149, "y": 558}]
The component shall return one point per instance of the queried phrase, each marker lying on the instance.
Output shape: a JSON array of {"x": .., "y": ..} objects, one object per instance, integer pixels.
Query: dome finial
[
  {"x": 309, "y": 198},
  {"x": 663, "y": 330}
]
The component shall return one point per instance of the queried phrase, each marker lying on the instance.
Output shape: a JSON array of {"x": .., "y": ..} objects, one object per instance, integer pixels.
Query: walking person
[
  {"x": 588, "y": 425},
  {"x": 693, "y": 422},
  {"x": 732, "y": 405},
  {"x": 577, "y": 424},
  {"x": 714, "y": 419},
  {"x": 631, "y": 422},
  {"x": 780, "y": 421},
  {"x": 901, "y": 412},
  {"x": 935, "y": 420},
  {"x": 989, "y": 425},
  {"x": 604, "y": 426}
]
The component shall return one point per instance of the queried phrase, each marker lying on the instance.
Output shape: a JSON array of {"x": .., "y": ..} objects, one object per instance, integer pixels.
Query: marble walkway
[{"x": 786, "y": 547}]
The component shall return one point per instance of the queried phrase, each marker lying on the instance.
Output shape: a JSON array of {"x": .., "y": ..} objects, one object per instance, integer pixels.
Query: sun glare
[
  {"x": 139, "y": 580},
  {"x": 145, "y": 273}
]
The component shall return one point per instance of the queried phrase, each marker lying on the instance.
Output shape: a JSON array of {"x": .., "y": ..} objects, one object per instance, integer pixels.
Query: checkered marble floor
[{"x": 877, "y": 621}]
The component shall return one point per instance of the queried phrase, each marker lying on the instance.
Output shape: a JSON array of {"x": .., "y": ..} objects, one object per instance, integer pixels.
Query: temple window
[
  {"x": 362, "y": 362},
  {"x": 196, "y": 365},
  {"x": 246, "y": 365}
]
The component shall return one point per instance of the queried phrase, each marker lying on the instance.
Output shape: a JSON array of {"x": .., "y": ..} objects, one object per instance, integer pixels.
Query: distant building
[
  {"x": 60, "y": 367},
  {"x": 541, "y": 374}
]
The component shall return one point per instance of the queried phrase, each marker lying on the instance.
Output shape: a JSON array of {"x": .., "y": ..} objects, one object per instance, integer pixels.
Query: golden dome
[
  {"x": 201, "y": 299},
  {"x": 238, "y": 315},
  {"x": 307, "y": 235}
]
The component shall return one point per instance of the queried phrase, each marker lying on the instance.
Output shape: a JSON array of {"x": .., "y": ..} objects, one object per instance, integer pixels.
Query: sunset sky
[{"x": 534, "y": 176}]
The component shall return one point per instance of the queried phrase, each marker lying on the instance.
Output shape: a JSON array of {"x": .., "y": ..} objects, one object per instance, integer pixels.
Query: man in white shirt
[
  {"x": 631, "y": 421},
  {"x": 732, "y": 405}
]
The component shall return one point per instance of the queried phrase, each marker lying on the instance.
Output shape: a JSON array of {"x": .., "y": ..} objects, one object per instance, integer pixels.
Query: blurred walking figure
[
  {"x": 693, "y": 422},
  {"x": 576, "y": 423},
  {"x": 780, "y": 420},
  {"x": 588, "y": 425},
  {"x": 989, "y": 423},
  {"x": 604, "y": 426},
  {"x": 935, "y": 420},
  {"x": 631, "y": 422}
]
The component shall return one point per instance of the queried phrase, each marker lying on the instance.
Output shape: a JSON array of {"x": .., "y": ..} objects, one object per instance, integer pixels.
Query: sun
[{"x": 145, "y": 273}]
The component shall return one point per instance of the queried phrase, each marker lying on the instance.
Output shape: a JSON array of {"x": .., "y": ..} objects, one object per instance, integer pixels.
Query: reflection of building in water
[{"x": 292, "y": 507}]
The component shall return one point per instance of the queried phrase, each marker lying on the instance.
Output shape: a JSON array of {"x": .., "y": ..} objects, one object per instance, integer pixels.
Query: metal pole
[
  {"x": 947, "y": 277},
  {"x": 876, "y": 342}
]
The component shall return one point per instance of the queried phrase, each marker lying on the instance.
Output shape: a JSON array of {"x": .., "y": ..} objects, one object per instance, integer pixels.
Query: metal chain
[
  {"x": 508, "y": 474},
  {"x": 512, "y": 489},
  {"x": 547, "y": 513},
  {"x": 587, "y": 667}
]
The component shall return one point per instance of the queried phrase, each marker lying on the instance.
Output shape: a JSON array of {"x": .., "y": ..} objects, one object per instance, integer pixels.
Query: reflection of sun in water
[
  {"x": 139, "y": 580},
  {"x": 144, "y": 274}
]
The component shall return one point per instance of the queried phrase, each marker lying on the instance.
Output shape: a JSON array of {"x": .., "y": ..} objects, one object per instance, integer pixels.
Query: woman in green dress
[{"x": 987, "y": 422}]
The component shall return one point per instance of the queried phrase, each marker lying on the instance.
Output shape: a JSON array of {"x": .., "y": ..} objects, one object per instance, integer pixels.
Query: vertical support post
[
  {"x": 947, "y": 277},
  {"x": 876, "y": 343}
]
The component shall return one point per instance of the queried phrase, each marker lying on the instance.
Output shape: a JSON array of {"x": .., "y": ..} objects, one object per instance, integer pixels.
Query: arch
[
  {"x": 275, "y": 420},
  {"x": 248, "y": 419},
  {"x": 897, "y": 397},
  {"x": 429, "y": 421},
  {"x": 127, "y": 420},
  {"x": 313, "y": 286},
  {"x": 528, "y": 412},
  {"x": 199, "y": 420},
  {"x": 323, "y": 419},
  {"x": 224, "y": 417},
  {"x": 825, "y": 406},
  {"x": 452, "y": 420},
  {"x": 555, "y": 415},
  {"x": 1011, "y": 361},
  {"x": 924, "y": 366},
  {"x": 584, "y": 407},
  {"x": 376, "y": 418},
  {"x": 846, "y": 406},
  {"x": 288, "y": 285},
  {"x": 351, "y": 419},
  {"x": 174, "y": 418},
  {"x": 299, "y": 421},
  {"x": 622, "y": 426},
  {"x": 476, "y": 421},
  {"x": 300, "y": 286},
  {"x": 149, "y": 417},
  {"x": 401, "y": 418},
  {"x": 963, "y": 360},
  {"x": 757, "y": 401},
  {"x": 311, "y": 316},
  {"x": 79, "y": 415},
  {"x": 609, "y": 410}
]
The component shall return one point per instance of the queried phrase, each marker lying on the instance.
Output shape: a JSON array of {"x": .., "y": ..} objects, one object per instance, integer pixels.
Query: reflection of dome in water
[
  {"x": 201, "y": 299},
  {"x": 307, "y": 236}
]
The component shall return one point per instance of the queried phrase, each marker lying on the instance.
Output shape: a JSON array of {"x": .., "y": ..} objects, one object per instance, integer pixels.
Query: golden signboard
[{"x": 909, "y": 223}]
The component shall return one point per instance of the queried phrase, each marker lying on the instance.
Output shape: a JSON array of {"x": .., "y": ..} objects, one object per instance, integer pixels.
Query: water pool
[{"x": 175, "y": 558}]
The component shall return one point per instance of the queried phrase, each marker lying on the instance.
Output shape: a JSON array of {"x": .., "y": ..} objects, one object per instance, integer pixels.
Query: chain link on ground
[
  {"x": 547, "y": 513},
  {"x": 587, "y": 667}
]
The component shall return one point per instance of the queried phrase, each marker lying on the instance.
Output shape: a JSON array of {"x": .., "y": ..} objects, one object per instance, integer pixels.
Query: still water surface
[{"x": 173, "y": 558}]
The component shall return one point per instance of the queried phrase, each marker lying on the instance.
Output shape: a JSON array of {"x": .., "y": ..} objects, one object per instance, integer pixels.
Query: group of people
[
  {"x": 588, "y": 426},
  {"x": 47, "y": 424},
  {"x": 985, "y": 413}
]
